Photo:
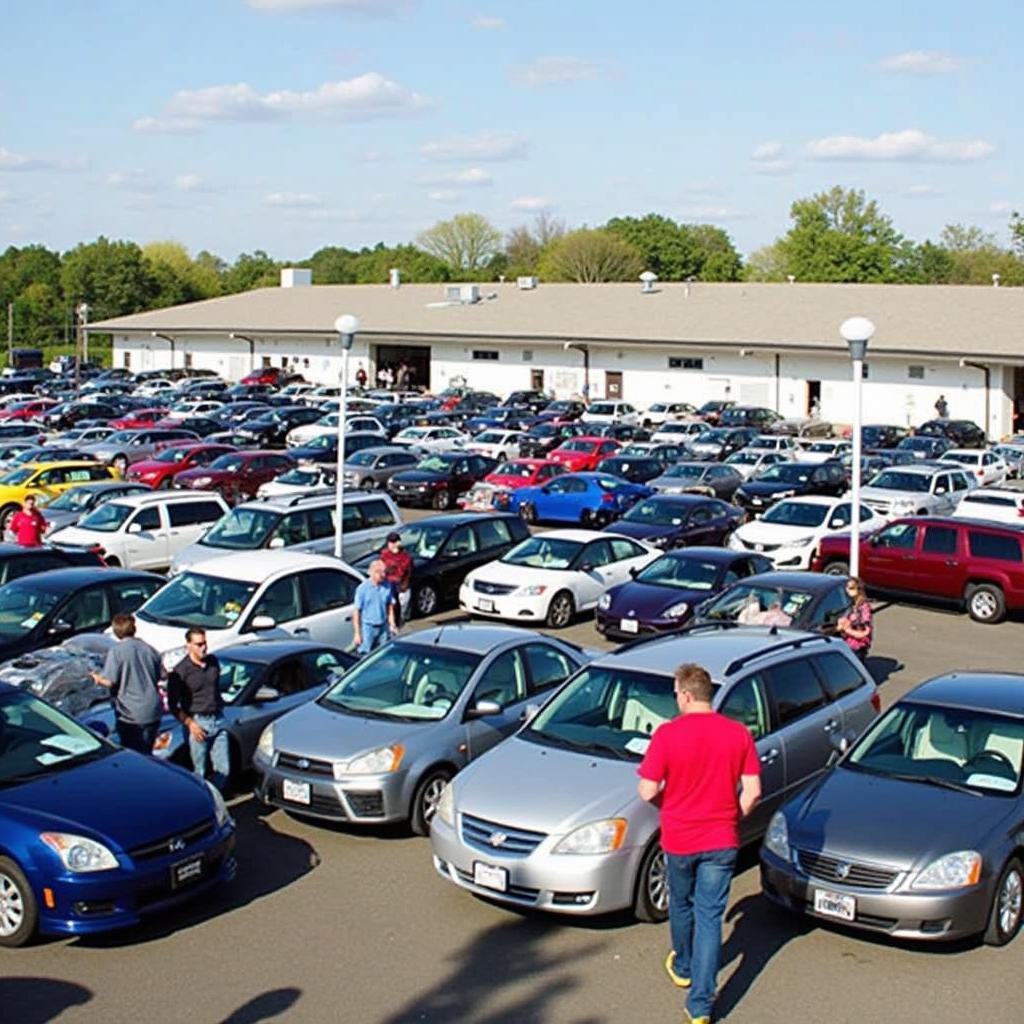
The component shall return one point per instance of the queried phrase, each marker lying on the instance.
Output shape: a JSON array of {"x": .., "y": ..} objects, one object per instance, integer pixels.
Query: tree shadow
[
  {"x": 38, "y": 1000},
  {"x": 508, "y": 954},
  {"x": 265, "y": 1006}
]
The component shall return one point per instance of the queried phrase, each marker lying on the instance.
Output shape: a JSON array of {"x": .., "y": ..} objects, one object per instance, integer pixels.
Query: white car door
[
  {"x": 145, "y": 539},
  {"x": 327, "y": 606},
  {"x": 626, "y": 555},
  {"x": 594, "y": 575},
  {"x": 189, "y": 520}
]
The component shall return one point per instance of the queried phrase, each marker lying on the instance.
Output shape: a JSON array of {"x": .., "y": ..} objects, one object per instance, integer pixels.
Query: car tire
[
  {"x": 443, "y": 500},
  {"x": 986, "y": 603},
  {"x": 560, "y": 611},
  {"x": 650, "y": 901},
  {"x": 7, "y": 513},
  {"x": 837, "y": 568},
  {"x": 425, "y": 600},
  {"x": 20, "y": 914},
  {"x": 368, "y": 484},
  {"x": 1004, "y": 918},
  {"x": 424, "y": 801},
  {"x": 120, "y": 463},
  {"x": 113, "y": 562},
  {"x": 502, "y": 457},
  {"x": 528, "y": 512}
]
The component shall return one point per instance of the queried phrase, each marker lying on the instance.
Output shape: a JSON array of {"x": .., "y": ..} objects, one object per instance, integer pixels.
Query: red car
[
  {"x": 139, "y": 418},
  {"x": 970, "y": 562},
  {"x": 237, "y": 475},
  {"x": 161, "y": 470},
  {"x": 582, "y": 454},
  {"x": 523, "y": 473},
  {"x": 264, "y": 375},
  {"x": 28, "y": 410}
]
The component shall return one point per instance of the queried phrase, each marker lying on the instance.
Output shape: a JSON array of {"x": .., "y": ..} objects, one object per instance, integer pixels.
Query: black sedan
[
  {"x": 439, "y": 479},
  {"x": 634, "y": 468},
  {"x": 791, "y": 479},
  {"x": 562, "y": 409},
  {"x": 68, "y": 414},
  {"x": 618, "y": 431},
  {"x": 270, "y": 430},
  {"x": 962, "y": 433},
  {"x": 882, "y": 435},
  {"x": 543, "y": 438},
  {"x": 679, "y": 520},
  {"x": 16, "y": 561}
]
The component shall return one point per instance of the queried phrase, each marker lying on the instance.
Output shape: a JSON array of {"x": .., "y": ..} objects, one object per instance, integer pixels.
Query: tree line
[{"x": 836, "y": 236}]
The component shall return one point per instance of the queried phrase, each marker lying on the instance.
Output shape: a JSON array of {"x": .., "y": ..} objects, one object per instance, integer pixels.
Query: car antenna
[{"x": 437, "y": 639}]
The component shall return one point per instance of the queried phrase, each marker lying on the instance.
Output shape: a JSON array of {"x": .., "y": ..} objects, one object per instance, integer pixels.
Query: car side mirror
[
  {"x": 634, "y": 572},
  {"x": 873, "y": 540},
  {"x": 134, "y": 528},
  {"x": 276, "y": 542},
  {"x": 530, "y": 713},
  {"x": 263, "y": 622},
  {"x": 840, "y": 744},
  {"x": 587, "y": 567},
  {"x": 484, "y": 709},
  {"x": 265, "y": 694},
  {"x": 60, "y": 628}
]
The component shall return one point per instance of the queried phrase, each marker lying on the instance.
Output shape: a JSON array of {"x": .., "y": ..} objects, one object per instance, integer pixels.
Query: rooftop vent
[
  {"x": 649, "y": 278},
  {"x": 791, "y": 278},
  {"x": 395, "y": 277},
  {"x": 526, "y": 284},
  {"x": 995, "y": 280},
  {"x": 296, "y": 277}
]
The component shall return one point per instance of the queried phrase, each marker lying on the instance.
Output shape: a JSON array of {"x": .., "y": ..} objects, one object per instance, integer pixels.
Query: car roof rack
[{"x": 792, "y": 644}]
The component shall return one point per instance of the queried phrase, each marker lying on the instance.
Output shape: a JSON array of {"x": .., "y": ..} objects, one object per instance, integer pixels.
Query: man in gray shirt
[{"x": 132, "y": 672}]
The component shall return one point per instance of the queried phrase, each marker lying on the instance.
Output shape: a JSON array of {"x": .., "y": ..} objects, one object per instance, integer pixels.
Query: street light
[
  {"x": 856, "y": 332},
  {"x": 346, "y": 325}
]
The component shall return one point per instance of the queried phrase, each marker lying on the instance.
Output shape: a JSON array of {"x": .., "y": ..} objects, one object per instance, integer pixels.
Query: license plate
[
  {"x": 186, "y": 871},
  {"x": 484, "y": 605},
  {"x": 297, "y": 792},
  {"x": 490, "y": 877},
  {"x": 756, "y": 501},
  {"x": 629, "y": 625},
  {"x": 835, "y": 904}
]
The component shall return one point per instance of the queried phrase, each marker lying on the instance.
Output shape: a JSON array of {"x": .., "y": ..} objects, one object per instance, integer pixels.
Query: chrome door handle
[
  {"x": 831, "y": 725},
  {"x": 770, "y": 756}
]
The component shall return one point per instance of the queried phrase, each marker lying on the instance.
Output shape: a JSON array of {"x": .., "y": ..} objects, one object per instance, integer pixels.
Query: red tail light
[
  {"x": 876, "y": 701},
  {"x": 607, "y": 499}
]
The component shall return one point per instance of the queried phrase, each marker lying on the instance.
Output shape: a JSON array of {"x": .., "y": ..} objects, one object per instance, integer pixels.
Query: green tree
[
  {"x": 718, "y": 257},
  {"x": 372, "y": 266},
  {"x": 466, "y": 243},
  {"x": 766, "y": 264},
  {"x": 113, "y": 277},
  {"x": 1017, "y": 233},
  {"x": 525, "y": 244},
  {"x": 207, "y": 274},
  {"x": 251, "y": 270},
  {"x": 590, "y": 256},
  {"x": 332, "y": 264},
  {"x": 668, "y": 249}
]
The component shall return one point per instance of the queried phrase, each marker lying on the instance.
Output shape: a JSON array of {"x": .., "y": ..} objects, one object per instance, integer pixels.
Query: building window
[
  {"x": 486, "y": 353},
  {"x": 685, "y": 363},
  {"x": 127, "y": 360},
  {"x": 915, "y": 372},
  {"x": 527, "y": 355},
  {"x": 188, "y": 360}
]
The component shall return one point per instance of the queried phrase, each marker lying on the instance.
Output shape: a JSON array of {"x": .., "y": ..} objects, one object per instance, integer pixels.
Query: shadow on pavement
[
  {"x": 38, "y": 1000},
  {"x": 881, "y": 668},
  {"x": 265, "y": 1006},
  {"x": 507, "y": 955}
]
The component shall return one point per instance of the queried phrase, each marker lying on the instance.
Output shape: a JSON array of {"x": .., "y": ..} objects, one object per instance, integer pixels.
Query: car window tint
[
  {"x": 574, "y": 485},
  {"x": 318, "y": 666},
  {"x": 622, "y": 549},
  {"x": 127, "y": 595},
  {"x": 18, "y": 567},
  {"x": 899, "y": 535},
  {"x": 293, "y": 529},
  {"x": 99, "y": 473},
  {"x": 148, "y": 519},
  {"x": 504, "y": 680},
  {"x": 939, "y": 540},
  {"x": 461, "y": 542},
  {"x": 376, "y": 513},
  {"x": 88, "y": 609},
  {"x": 287, "y": 677},
  {"x": 327, "y": 589},
  {"x": 492, "y": 533},
  {"x": 831, "y": 608},
  {"x": 191, "y": 513},
  {"x": 548, "y": 667},
  {"x": 597, "y": 554},
  {"x": 281, "y": 601},
  {"x": 838, "y": 673},
  {"x": 321, "y": 523},
  {"x": 993, "y": 545},
  {"x": 794, "y": 689},
  {"x": 699, "y": 516},
  {"x": 745, "y": 703}
]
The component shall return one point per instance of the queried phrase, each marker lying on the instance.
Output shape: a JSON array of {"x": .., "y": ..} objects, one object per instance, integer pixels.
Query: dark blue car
[
  {"x": 680, "y": 520},
  {"x": 593, "y": 499},
  {"x": 93, "y": 837}
]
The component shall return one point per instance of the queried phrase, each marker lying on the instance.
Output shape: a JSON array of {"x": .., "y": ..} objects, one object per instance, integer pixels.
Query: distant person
[
  {"x": 373, "y": 617},
  {"x": 774, "y": 616},
  {"x": 132, "y": 672},
  {"x": 28, "y": 525},
  {"x": 941, "y": 407},
  {"x": 361, "y": 377},
  {"x": 397, "y": 570},
  {"x": 857, "y": 627}
]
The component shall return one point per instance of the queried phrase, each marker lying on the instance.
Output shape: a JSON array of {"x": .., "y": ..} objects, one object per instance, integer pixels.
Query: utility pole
[
  {"x": 10, "y": 333},
  {"x": 83, "y": 315}
]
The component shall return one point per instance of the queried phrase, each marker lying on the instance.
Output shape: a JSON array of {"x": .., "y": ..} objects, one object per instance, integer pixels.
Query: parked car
[
  {"x": 299, "y": 480},
  {"x": 925, "y": 446},
  {"x": 679, "y": 520},
  {"x": 553, "y": 576},
  {"x": 718, "y": 443},
  {"x": 17, "y": 561},
  {"x": 83, "y": 435},
  {"x": 751, "y": 462},
  {"x": 271, "y": 429},
  {"x": 562, "y": 409},
  {"x": 161, "y": 470},
  {"x": 789, "y": 480},
  {"x": 236, "y": 476},
  {"x": 1001, "y": 506},
  {"x": 971, "y": 563},
  {"x": 504, "y": 418},
  {"x": 698, "y": 478},
  {"x": 882, "y": 435},
  {"x": 30, "y": 409},
  {"x": 190, "y": 408},
  {"x": 711, "y": 411},
  {"x": 431, "y": 439},
  {"x": 658, "y": 412},
  {"x": 438, "y": 479},
  {"x": 373, "y": 468},
  {"x": 778, "y": 443},
  {"x": 962, "y": 433},
  {"x": 611, "y": 412},
  {"x": 626, "y": 433},
  {"x": 803, "y": 426},
  {"x": 495, "y": 444},
  {"x": 942, "y": 768},
  {"x": 445, "y": 547},
  {"x": 551, "y": 819},
  {"x": 636, "y": 469},
  {"x": 46, "y": 480},
  {"x": 764, "y": 420},
  {"x": 591, "y": 499},
  {"x": 1013, "y": 456},
  {"x": 542, "y": 438},
  {"x": 663, "y": 451},
  {"x": 124, "y": 447},
  {"x": 582, "y": 454},
  {"x": 69, "y": 506},
  {"x": 493, "y": 490},
  {"x": 681, "y": 432},
  {"x": 139, "y": 418},
  {"x": 987, "y": 467},
  {"x": 662, "y": 596},
  {"x": 916, "y": 490},
  {"x": 68, "y": 414},
  {"x": 383, "y": 741},
  {"x": 832, "y": 449}
]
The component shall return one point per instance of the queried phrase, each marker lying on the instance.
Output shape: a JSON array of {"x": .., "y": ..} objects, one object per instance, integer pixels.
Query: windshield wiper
[
  {"x": 932, "y": 780},
  {"x": 594, "y": 747}
]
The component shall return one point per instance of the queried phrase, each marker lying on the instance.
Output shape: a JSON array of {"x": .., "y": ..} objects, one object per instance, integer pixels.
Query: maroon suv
[
  {"x": 237, "y": 475},
  {"x": 972, "y": 562}
]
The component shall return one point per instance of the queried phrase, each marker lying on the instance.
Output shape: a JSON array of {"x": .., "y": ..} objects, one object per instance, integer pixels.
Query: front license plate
[
  {"x": 835, "y": 904},
  {"x": 484, "y": 605},
  {"x": 490, "y": 877},
  {"x": 186, "y": 871},
  {"x": 297, "y": 792},
  {"x": 629, "y": 626},
  {"x": 755, "y": 501}
]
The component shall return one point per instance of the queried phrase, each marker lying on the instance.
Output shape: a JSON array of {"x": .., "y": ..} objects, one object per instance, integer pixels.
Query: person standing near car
[
  {"x": 857, "y": 627},
  {"x": 373, "y": 614},
  {"x": 193, "y": 697},
  {"x": 693, "y": 768},
  {"x": 132, "y": 672},
  {"x": 941, "y": 407},
  {"x": 397, "y": 570},
  {"x": 28, "y": 525}
]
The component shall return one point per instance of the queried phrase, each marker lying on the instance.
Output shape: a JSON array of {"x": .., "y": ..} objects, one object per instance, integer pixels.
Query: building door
[
  {"x": 1018, "y": 399},
  {"x": 813, "y": 406},
  {"x": 536, "y": 380},
  {"x": 612, "y": 384},
  {"x": 415, "y": 359}
]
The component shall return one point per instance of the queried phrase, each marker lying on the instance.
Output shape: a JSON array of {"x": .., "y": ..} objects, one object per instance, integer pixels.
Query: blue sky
[{"x": 291, "y": 124}]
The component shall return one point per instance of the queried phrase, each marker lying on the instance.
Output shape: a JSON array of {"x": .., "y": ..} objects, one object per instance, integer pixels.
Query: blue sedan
[
  {"x": 93, "y": 837},
  {"x": 593, "y": 499}
]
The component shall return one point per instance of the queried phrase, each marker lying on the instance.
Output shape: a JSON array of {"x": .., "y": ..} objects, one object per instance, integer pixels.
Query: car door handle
[
  {"x": 770, "y": 756},
  {"x": 831, "y": 725},
  {"x": 301, "y": 631},
  {"x": 952, "y": 562}
]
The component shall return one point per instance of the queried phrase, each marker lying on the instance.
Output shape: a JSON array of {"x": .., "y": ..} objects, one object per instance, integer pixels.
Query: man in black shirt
[{"x": 193, "y": 696}]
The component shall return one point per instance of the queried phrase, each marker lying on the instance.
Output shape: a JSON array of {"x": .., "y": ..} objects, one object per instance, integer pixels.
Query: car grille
[
  {"x": 878, "y": 504},
  {"x": 862, "y": 876},
  {"x": 176, "y": 842},
  {"x": 519, "y": 893},
  {"x": 483, "y": 587},
  {"x": 319, "y": 803},
  {"x": 308, "y": 765},
  {"x": 760, "y": 547},
  {"x": 484, "y": 835}
]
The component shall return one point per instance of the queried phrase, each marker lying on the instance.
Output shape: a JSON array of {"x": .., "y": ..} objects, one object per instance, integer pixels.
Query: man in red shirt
[
  {"x": 397, "y": 568},
  {"x": 28, "y": 525},
  {"x": 692, "y": 770}
]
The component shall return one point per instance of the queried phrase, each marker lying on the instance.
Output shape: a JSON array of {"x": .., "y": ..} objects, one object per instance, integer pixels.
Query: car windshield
[
  {"x": 120, "y": 437},
  {"x": 823, "y": 446},
  {"x": 23, "y": 605},
  {"x": 415, "y": 432},
  {"x": 434, "y": 464},
  {"x": 406, "y": 681},
  {"x": 681, "y": 572},
  {"x": 578, "y": 446},
  {"x": 423, "y": 540},
  {"x": 743, "y": 458},
  {"x": 606, "y": 711},
  {"x": 36, "y": 740},
  {"x": 919, "y": 443},
  {"x": 192, "y": 599},
  {"x": 72, "y": 501},
  {"x": 242, "y": 529},
  {"x": 172, "y": 455},
  {"x": 747, "y": 602},
  {"x": 523, "y": 470},
  {"x": 543, "y": 430},
  {"x": 16, "y": 476},
  {"x": 363, "y": 458},
  {"x": 300, "y": 477},
  {"x": 323, "y": 442},
  {"x": 656, "y": 512},
  {"x": 951, "y": 747},
  {"x": 712, "y": 437},
  {"x": 796, "y": 513},
  {"x": 899, "y": 480},
  {"x": 543, "y": 552},
  {"x": 490, "y": 437},
  {"x": 785, "y": 473},
  {"x": 107, "y": 518},
  {"x": 227, "y": 463},
  {"x": 679, "y": 428},
  {"x": 687, "y": 470},
  {"x": 602, "y": 409},
  {"x": 962, "y": 458}
]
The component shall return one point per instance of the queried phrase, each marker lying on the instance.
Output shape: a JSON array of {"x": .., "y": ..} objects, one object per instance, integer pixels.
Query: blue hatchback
[
  {"x": 93, "y": 837},
  {"x": 593, "y": 499}
]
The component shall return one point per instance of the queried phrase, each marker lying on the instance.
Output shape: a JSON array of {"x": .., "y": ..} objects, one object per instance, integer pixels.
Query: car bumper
[
  {"x": 901, "y": 914},
  {"x": 359, "y": 799},
  {"x": 582, "y": 885},
  {"x": 610, "y": 627},
  {"x": 417, "y": 499},
  {"x": 527, "y": 608},
  {"x": 101, "y": 901},
  {"x": 783, "y": 557}
]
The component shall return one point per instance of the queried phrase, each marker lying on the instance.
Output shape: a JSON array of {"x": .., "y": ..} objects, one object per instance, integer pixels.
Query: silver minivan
[
  {"x": 551, "y": 818},
  {"x": 919, "y": 490}
]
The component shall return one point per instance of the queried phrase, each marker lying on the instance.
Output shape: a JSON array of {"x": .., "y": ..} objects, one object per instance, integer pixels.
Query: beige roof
[{"x": 914, "y": 320}]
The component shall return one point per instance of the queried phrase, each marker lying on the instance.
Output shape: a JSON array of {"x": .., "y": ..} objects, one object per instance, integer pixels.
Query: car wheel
[
  {"x": 502, "y": 457},
  {"x": 837, "y": 568},
  {"x": 113, "y": 562},
  {"x": 424, "y": 803},
  {"x": 424, "y": 600},
  {"x": 6, "y": 515},
  {"x": 1004, "y": 918},
  {"x": 528, "y": 511},
  {"x": 165, "y": 484},
  {"x": 650, "y": 904},
  {"x": 985, "y": 603},
  {"x": 120, "y": 463},
  {"x": 368, "y": 484},
  {"x": 443, "y": 500},
  {"x": 588, "y": 518},
  {"x": 560, "y": 611},
  {"x": 19, "y": 912}
]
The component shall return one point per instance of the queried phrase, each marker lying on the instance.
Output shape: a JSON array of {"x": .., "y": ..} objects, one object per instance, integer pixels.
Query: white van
[{"x": 145, "y": 531}]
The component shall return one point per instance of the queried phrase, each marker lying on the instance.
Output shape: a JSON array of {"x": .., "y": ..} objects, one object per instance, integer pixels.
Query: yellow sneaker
[
  {"x": 690, "y": 1019},
  {"x": 677, "y": 979}
]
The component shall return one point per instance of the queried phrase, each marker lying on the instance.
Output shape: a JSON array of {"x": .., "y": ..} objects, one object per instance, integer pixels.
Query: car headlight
[
  {"x": 799, "y": 542},
  {"x": 446, "y": 805},
  {"x": 172, "y": 657},
  {"x": 374, "y": 762},
  {"x": 202, "y": 481},
  {"x": 953, "y": 871},
  {"x": 677, "y": 609},
  {"x": 604, "y": 602},
  {"x": 533, "y": 591},
  {"x": 265, "y": 747},
  {"x": 79, "y": 854},
  {"x": 220, "y": 809},
  {"x": 776, "y": 839},
  {"x": 604, "y": 836}
]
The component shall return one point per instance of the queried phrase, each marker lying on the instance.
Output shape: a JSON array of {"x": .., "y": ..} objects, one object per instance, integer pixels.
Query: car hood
[
  {"x": 642, "y": 531},
  {"x": 419, "y": 476},
  {"x": 76, "y": 536},
  {"x": 168, "y": 638},
  {"x": 143, "y": 800},
  {"x": 511, "y": 784},
  {"x": 58, "y": 520},
  {"x": 149, "y": 466},
  {"x": 759, "y": 532},
  {"x": 644, "y": 601},
  {"x": 891, "y": 494},
  {"x": 887, "y": 821},
  {"x": 520, "y": 575}
]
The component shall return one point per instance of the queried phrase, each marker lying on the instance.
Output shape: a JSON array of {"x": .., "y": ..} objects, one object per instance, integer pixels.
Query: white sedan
[
  {"x": 183, "y": 410},
  {"x": 611, "y": 412},
  {"x": 496, "y": 444},
  {"x": 551, "y": 576},
  {"x": 656, "y": 414},
  {"x": 986, "y": 467},
  {"x": 789, "y": 531},
  {"x": 679, "y": 431},
  {"x": 431, "y": 439},
  {"x": 298, "y": 436},
  {"x": 749, "y": 462},
  {"x": 823, "y": 451}
]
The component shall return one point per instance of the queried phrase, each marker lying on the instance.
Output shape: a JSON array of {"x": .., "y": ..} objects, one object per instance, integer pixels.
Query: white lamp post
[
  {"x": 856, "y": 332},
  {"x": 346, "y": 325}
]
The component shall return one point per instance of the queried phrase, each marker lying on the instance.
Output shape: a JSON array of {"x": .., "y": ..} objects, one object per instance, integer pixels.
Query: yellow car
[{"x": 46, "y": 480}]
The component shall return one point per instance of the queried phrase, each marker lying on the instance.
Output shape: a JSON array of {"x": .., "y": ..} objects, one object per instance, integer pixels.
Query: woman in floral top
[{"x": 856, "y": 627}]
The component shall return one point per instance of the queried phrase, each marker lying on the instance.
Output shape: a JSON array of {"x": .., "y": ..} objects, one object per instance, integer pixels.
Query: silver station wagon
[{"x": 551, "y": 818}]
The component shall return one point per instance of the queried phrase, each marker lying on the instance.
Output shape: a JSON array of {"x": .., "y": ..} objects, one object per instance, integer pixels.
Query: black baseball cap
[{"x": 393, "y": 536}]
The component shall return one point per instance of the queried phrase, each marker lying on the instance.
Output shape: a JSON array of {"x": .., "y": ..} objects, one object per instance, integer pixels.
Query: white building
[{"x": 762, "y": 344}]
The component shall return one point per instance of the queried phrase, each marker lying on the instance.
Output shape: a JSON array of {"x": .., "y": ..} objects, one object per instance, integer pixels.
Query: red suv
[{"x": 972, "y": 562}]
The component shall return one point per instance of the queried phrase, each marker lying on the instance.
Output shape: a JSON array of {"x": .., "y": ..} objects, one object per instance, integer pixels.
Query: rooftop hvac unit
[
  {"x": 526, "y": 284},
  {"x": 465, "y": 293}
]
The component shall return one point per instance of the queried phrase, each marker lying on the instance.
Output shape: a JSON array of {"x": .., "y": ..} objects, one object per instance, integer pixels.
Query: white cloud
[
  {"x": 11, "y": 161},
  {"x": 165, "y": 125},
  {"x": 487, "y": 146},
  {"x": 190, "y": 183},
  {"x": 1003, "y": 208},
  {"x": 922, "y": 192},
  {"x": 444, "y": 195},
  {"x": 713, "y": 213},
  {"x": 374, "y": 7},
  {"x": 553, "y": 71},
  {"x": 530, "y": 203},
  {"x": 135, "y": 180},
  {"x": 923, "y": 62},
  {"x": 294, "y": 200},
  {"x": 767, "y": 151},
  {"x": 910, "y": 145},
  {"x": 472, "y": 176},
  {"x": 769, "y": 158},
  {"x": 488, "y": 24}
]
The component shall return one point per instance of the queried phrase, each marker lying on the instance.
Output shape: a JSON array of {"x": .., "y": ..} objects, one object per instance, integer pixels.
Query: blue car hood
[{"x": 645, "y": 601}]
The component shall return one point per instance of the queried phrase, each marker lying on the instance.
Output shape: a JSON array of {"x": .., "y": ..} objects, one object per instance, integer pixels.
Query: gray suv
[
  {"x": 551, "y": 819},
  {"x": 372, "y": 468},
  {"x": 923, "y": 490},
  {"x": 124, "y": 447}
]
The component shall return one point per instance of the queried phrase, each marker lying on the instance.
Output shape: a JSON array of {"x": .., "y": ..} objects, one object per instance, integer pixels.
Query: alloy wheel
[
  {"x": 426, "y": 600},
  {"x": 657, "y": 882},
  {"x": 12, "y": 906},
  {"x": 983, "y": 604},
  {"x": 431, "y": 797},
  {"x": 1011, "y": 897}
]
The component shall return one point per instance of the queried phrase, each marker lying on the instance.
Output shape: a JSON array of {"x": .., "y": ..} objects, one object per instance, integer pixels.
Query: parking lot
[{"x": 331, "y": 923}]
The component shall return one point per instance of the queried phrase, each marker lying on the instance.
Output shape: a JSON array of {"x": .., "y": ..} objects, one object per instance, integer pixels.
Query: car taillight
[
  {"x": 876, "y": 701},
  {"x": 607, "y": 499},
  {"x": 979, "y": 472}
]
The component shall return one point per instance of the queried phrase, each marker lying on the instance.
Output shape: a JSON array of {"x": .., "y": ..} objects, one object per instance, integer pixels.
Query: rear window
[
  {"x": 376, "y": 513},
  {"x": 192, "y": 513},
  {"x": 979, "y": 497},
  {"x": 838, "y": 674},
  {"x": 994, "y": 545}
]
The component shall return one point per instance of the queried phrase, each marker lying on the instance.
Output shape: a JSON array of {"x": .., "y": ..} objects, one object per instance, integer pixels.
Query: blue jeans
[
  {"x": 137, "y": 737},
  {"x": 698, "y": 892},
  {"x": 374, "y": 635},
  {"x": 213, "y": 749}
]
